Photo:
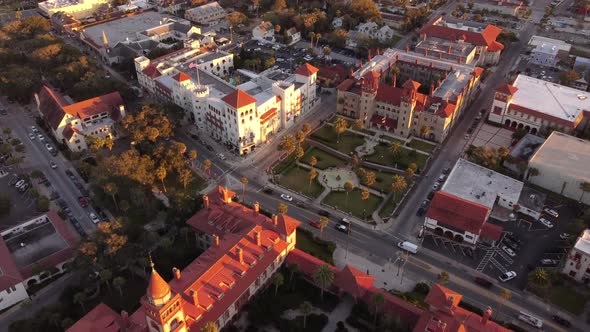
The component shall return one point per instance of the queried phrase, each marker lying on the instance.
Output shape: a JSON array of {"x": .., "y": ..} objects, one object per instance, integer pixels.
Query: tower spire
[{"x": 105, "y": 40}]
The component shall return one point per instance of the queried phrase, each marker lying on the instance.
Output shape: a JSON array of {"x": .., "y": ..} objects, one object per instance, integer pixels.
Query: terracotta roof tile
[
  {"x": 353, "y": 281},
  {"x": 346, "y": 84},
  {"x": 100, "y": 318},
  {"x": 458, "y": 213},
  {"x": 151, "y": 71},
  {"x": 157, "y": 287},
  {"x": 484, "y": 38},
  {"x": 9, "y": 275},
  {"x": 411, "y": 84},
  {"x": 506, "y": 89},
  {"x": 181, "y": 77},
  {"x": 491, "y": 231},
  {"x": 495, "y": 47},
  {"x": 306, "y": 70},
  {"x": 107, "y": 103},
  {"x": 389, "y": 94},
  {"x": 239, "y": 99}
]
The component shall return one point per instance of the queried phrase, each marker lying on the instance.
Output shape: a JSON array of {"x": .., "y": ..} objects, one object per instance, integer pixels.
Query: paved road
[{"x": 37, "y": 157}]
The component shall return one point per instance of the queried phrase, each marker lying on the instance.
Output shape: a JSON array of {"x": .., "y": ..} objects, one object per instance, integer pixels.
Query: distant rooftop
[
  {"x": 480, "y": 185},
  {"x": 549, "y": 43},
  {"x": 51, "y": 4},
  {"x": 565, "y": 154},
  {"x": 446, "y": 46},
  {"x": 526, "y": 147},
  {"x": 583, "y": 243}
]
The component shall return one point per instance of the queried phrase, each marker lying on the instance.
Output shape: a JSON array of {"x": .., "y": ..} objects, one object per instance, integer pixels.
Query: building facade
[
  {"x": 72, "y": 123},
  {"x": 373, "y": 95},
  {"x": 208, "y": 14},
  {"x": 577, "y": 264}
]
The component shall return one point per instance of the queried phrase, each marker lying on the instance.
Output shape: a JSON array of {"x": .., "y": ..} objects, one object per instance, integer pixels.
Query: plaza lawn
[
  {"x": 356, "y": 205},
  {"x": 325, "y": 160},
  {"x": 421, "y": 145},
  {"x": 405, "y": 158},
  {"x": 297, "y": 179},
  {"x": 389, "y": 207},
  {"x": 347, "y": 142},
  {"x": 315, "y": 246},
  {"x": 567, "y": 298}
]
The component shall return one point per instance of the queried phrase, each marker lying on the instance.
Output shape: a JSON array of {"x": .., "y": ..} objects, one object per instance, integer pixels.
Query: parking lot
[{"x": 22, "y": 204}]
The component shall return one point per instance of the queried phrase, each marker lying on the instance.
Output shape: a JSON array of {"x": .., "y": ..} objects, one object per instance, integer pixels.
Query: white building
[
  {"x": 71, "y": 123},
  {"x": 242, "y": 116},
  {"x": 264, "y": 31},
  {"x": 369, "y": 28},
  {"x": 77, "y": 8},
  {"x": 384, "y": 34},
  {"x": 534, "y": 105},
  {"x": 43, "y": 243},
  {"x": 577, "y": 264},
  {"x": 337, "y": 22},
  {"x": 208, "y": 14},
  {"x": 548, "y": 51},
  {"x": 562, "y": 162}
]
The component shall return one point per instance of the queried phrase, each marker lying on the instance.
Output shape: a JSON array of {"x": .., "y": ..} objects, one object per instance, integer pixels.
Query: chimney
[
  {"x": 378, "y": 51},
  {"x": 425, "y": 52},
  {"x": 125, "y": 318},
  {"x": 361, "y": 64},
  {"x": 460, "y": 59},
  {"x": 256, "y": 207},
  {"x": 194, "y": 297},
  {"x": 370, "y": 56},
  {"x": 240, "y": 254},
  {"x": 206, "y": 201},
  {"x": 450, "y": 306},
  {"x": 216, "y": 240},
  {"x": 416, "y": 60},
  {"x": 440, "y": 55},
  {"x": 486, "y": 316},
  {"x": 176, "y": 273},
  {"x": 275, "y": 220},
  {"x": 257, "y": 237},
  {"x": 351, "y": 74}
]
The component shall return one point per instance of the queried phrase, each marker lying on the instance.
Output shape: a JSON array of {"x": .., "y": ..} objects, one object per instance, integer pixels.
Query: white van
[
  {"x": 408, "y": 246},
  {"x": 530, "y": 319}
]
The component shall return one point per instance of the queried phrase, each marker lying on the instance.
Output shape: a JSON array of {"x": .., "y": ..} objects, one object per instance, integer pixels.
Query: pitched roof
[
  {"x": 491, "y": 231},
  {"x": 459, "y": 213},
  {"x": 157, "y": 288},
  {"x": 495, "y": 46},
  {"x": 486, "y": 37},
  {"x": 446, "y": 109},
  {"x": 9, "y": 273},
  {"x": 353, "y": 281},
  {"x": 239, "y": 99},
  {"x": 181, "y": 77},
  {"x": 411, "y": 84},
  {"x": 69, "y": 131},
  {"x": 506, "y": 89},
  {"x": 439, "y": 297},
  {"x": 306, "y": 70},
  {"x": 51, "y": 106},
  {"x": 389, "y": 94},
  {"x": 307, "y": 263},
  {"x": 100, "y": 318},
  {"x": 151, "y": 71},
  {"x": 346, "y": 84}
]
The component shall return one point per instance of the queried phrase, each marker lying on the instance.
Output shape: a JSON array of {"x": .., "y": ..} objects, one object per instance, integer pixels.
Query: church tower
[
  {"x": 408, "y": 104},
  {"x": 163, "y": 307},
  {"x": 369, "y": 87}
]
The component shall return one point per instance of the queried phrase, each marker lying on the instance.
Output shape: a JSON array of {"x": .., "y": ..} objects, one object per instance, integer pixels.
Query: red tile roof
[
  {"x": 439, "y": 297},
  {"x": 371, "y": 75},
  {"x": 384, "y": 121},
  {"x": 157, "y": 287},
  {"x": 181, "y": 77},
  {"x": 545, "y": 116},
  {"x": 307, "y": 263},
  {"x": 69, "y": 131},
  {"x": 346, "y": 84},
  {"x": 446, "y": 109},
  {"x": 239, "y": 99},
  {"x": 478, "y": 71},
  {"x": 411, "y": 84},
  {"x": 306, "y": 70},
  {"x": 495, "y": 47},
  {"x": 151, "y": 71},
  {"x": 336, "y": 72},
  {"x": 268, "y": 115},
  {"x": 407, "y": 312},
  {"x": 491, "y": 231},
  {"x": 506, "y": 89},
  {"x": 487, "y": 37},
  {"x": 389, "y": 94},
  {"x": 458, "y": 213},
  {"x": 9, "y": 275},
  {"x": 100, "y": 318},
  {"x": 353, "y": 281}
]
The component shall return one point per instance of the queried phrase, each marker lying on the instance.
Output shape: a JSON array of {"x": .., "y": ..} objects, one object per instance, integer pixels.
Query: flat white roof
[
  {"x": 559, "y": 44},
  {"x": 547, "y": 49},
  {"x": 583, "y": 243},
  {"x": 556, "y": 100},
  {"x": 480, "y": 185},
  {"x": 564, "y": 154}
]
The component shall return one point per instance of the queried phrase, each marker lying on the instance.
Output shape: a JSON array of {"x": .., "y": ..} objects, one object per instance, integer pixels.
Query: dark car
[
  {"x": 561, "y": 321},
  {"x": 54, "y": 195},
  {"x": 446, "y": 170},
  {"x": 483, "y": 282},
  {"x": 420, "y": 212},
  {"x": 77, "y": 226},
  {"x": 324, "y": 213},
  {"x": 300, "y": 204},
  {"x": 209, "y": 147},
  {"x": 514, "y": 238},
  {"x": 430, "y": 195},
  {"x": 61, "y": 203},
  {"x": 268, "y": 191}
]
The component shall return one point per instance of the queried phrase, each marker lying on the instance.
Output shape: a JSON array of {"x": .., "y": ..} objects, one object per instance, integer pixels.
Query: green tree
[
  {"x": 370, "y": 178},
  {"x": 424, "y": 131},
  {"x": 306, "y": 128},
  {"x": 348, "y": 187},
  {"x": 539, "y": 278},
  {"x": 236, "y": 18},
  {"x": 185, "y": 176},
  {"x": 398, "y": 185},
  {"x": 80, "y": 299},
  {"x": 443, "y": 277},
  {"x": 298, "y": 154},
  {"x": 323, "y": 277},
  {"x": 311, "y": 38},
  {"x": 110, "y": 188},
  {"x": 505, "y": 296},
  {"x": 42, "y": 203},
  {"x": 278, "y": 281},
  {"x": 340, "y": 125},
  {"x": 244, "y": 182},
  {"x": 192, "y": 156},
  {"x": 312, "y": 175},
  {"x": 358, "y": 125},
  {"x": 282, "y": 208},
  {"x": 279, "y": 5},
  {"x": 209, "y": 327},
  {"x": 119, "y": 282},
  {"x": 300, "y": 137},
  {"x": 395, "y": 148},
  {"x": 124, "y": 205},
  {"x": 323, "y": 223},
  {"x": 568, "y": 77},
  {"x": 377, "y": 299},
  {"x": 161, "y": 175},
  {"x": 305, "y": 309},
  {"x": 313, "y": 161},
  {"x": 532, "y": 172},
  {"x": 293, "y": 270},
  {"x": 207, "y": 166},
  {"x": 288, "y": 144}
]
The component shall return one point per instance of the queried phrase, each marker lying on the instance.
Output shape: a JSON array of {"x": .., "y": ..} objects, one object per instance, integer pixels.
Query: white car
[
  {"x": 221, "y": 156},
  {"x": 94, "y": 218},
  {"x": 41, "y": 138},
  {"x": 436, "y": 186},
  {"x": 551, "y": 212},
  {"x": 564, "y": 236},
  {"x": 49, "y": 147},
  {"x": 286, "y": 197},
  {"x": 546, "y": 222},
  {"x": 466, "y": 136},
  {"x": 508, "y": 251},
  {"x": 34, "y": 129},
  {"x": 507, "y": 276},
  {"x": 52, "y": 165},
  {"x": 32, "y": 137}
]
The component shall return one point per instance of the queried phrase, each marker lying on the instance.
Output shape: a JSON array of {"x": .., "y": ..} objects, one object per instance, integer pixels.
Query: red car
[
  {"x": 82, "y": 201},
  {"x": 315, "y": 223}
]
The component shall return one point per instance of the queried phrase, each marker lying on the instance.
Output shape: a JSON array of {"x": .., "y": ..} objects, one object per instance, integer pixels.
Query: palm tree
[
  {"x": 340, "y": 125},
  {"x": 306, "y": 128},
  {"x": 80, "y": 298},
  {"x": 244, "y": 181},
  {"x": 585, "y": 187},
  {"x": 370, "y": 178},
  {"x": 378, "y": 299},
  {"x": 348, "y": 187},
  {"x": 207, "y": 166},
  {"x": 409, "y": 173},
  {"x": 161, "y": 174},
  {"x": 398, "y": 185},
  {"x": 282, "y": 208},
  {"x": 443, "y": 277},
  {"x": 313, "y": 161},
  {"x": 298, "y": 154},
  {"x": 278, "y": 281},
  {"x": 358, "y": 125},
  {"x": 119, "y": 282},
  {"x": 111, "y": 188},
  {"x": 323, "y": 223},
  {"x": 192, "y": 156},
  {"x": 311, "y": 38},
  {"x": 424, "y": 131},
  {"x": 288, "y": 144},
  {"x": 505, "y": 296},
  {"x": 365, "y": 197},
  {"x": 312, "y": 175},
  {"x": 300, "y": 137},
  {"x": 532, "y": 172},
  {"x": 323, "y": 277},
  {"x": 539, "y": 278},
  {"x": 209, "y": 327},
  {"x": 317, "y": 39},
  {"x": 306, "y": 309},
  {"x": 395, "y": 148},
  {"x": 277, "y": 28}
]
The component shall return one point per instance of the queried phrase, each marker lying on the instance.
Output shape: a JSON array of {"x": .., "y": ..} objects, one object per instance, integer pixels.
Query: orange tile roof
[
  {"x": 411, "y": 84},
  {"x": 495, "y": 46},
  {"x": 486, "y": 37},
  {"x": 151, "y": 71},
  {"x": 353, "y": 281},
  {"x": 458, "y": 213},
  {"x": 506, "y": 89},
  {"x": 306, "y": 70},
  {"x": 100, "y": 319},
  {"x": 239, "y": 99},
  {"x": 157, "y": 288},
  {"x": 181, "y": 77}
]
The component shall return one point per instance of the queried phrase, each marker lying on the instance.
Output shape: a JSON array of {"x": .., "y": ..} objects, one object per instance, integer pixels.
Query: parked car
[
  {"x": 315, "y": 223},
  {"x": 420, "y": 211},
  {"x": 54, "y": 195},
  {"x": 61, "y": 203},
  {"x": 446, "y": 170},
  {"x": 514, "y": 238},
  {"x": 77, "y": 226},
  {"x": 564, "y": 236},
  {"x": 34, "y": 129},
  {"x": 507, "y": 276},
  {"x": 546, "y": 222},
  {"x": 83, "y": 202},
  {"x": 483, "y": 282},
  {"x": 508, "y": 251},
  {"x": 513, "y": 245},
  {"x": 561, "y": 321},
  {"x": 442, "y": 178},
  {"x": 52, "y": 164},
  {"x": 19, "y": 184},
  {"x": 94, "y": 218},
  {"x": 41, "y": 138},
  {"x": 466, "y": 136},
  {"x": 341, "y": 228},
  {"x": 221, "y": 156},
  {"x": 549, "y": 262},
  {"x": 268, "y": 191},
  {"x": 324, "y": 213},
  {"x": 286, "y": 197},
  {"x": 300, "y": 204},
  {"x": 430, "y": 195},
  {"x": 424, "y": 203},
  {"x": 551, "y": 212},
  {"x": 436, "y": 186},
  {"x": 32, "y": 137}
]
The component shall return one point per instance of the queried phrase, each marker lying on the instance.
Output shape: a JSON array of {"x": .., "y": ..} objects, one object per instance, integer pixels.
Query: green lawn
[
  {"x": 382, "y": 156},
  {"x": 356, "y": 205},
  {"x": 421, "y": 145},
  {"x": 568, "y": 298},
  {"x": 346, "y": 143},
  {"x": 325, "y": 160},
  {"x": 319, "y": 248},
  {"x": 297, "y": 179},
  {"x": 388, "y": 208}
]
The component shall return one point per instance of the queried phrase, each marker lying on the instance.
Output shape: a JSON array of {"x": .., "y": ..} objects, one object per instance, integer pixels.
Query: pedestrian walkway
[{"x": 339, "y": 314}]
